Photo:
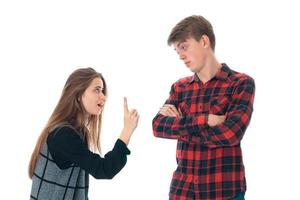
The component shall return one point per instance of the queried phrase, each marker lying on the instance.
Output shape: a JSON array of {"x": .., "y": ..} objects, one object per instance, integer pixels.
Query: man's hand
[
  {"x": 170, "y": 110},
  {"x": 214, "y": 120}
]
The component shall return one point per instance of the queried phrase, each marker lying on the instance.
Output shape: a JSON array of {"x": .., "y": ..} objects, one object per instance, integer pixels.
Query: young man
[{"x": 207, "y": 113}]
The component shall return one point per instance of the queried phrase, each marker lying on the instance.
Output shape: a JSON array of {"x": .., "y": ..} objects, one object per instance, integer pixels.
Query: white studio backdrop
[{"x": 42, "y": 42}]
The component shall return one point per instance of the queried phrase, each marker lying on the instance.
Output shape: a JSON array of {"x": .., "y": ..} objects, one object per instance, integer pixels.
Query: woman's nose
[{"x": 102, "y": 96}]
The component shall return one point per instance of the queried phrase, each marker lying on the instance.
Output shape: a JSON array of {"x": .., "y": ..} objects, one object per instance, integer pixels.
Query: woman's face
[{"x": 93, "y": 98}]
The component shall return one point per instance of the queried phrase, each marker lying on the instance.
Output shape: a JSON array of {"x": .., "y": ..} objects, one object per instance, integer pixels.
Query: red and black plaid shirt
[{"x": 209, "y": 159}]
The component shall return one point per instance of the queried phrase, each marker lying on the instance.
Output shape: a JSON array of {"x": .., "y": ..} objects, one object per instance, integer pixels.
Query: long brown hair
[{"x": 70, "y": 110}]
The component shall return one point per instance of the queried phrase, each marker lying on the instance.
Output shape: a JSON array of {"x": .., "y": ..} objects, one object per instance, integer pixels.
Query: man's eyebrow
[{"x": 178, "y": 44}]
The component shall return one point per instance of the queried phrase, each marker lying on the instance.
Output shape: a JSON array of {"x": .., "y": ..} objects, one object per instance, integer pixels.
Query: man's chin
[{"x": 192, "y": 69}]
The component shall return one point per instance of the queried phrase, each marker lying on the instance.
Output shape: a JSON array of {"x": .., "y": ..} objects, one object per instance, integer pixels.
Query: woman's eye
[{"x": 99, "y": 90}]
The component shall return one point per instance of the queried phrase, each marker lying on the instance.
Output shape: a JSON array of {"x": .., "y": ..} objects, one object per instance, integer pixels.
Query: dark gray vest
[{"x": 49, "y": 182}]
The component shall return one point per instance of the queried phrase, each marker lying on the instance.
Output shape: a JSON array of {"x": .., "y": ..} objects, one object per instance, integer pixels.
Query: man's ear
[{"x": 205, "y": 41}]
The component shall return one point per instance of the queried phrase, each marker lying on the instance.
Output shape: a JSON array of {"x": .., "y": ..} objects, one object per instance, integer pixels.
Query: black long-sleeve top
[{"x": 67, "y": 147}]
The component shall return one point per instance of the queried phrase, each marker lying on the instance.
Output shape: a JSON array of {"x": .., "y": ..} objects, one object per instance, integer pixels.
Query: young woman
[{"x": 63, "y": 157}]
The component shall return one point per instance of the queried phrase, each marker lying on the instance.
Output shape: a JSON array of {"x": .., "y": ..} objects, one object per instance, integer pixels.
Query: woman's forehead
[{"x": 97, "y": 82}]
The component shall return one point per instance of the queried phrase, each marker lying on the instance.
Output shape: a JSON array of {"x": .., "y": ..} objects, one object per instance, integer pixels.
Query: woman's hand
[{"x": 131, "y": 118}]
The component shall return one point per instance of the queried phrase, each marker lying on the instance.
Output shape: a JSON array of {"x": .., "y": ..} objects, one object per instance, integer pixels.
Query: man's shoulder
[
  {"x": 239, "y": 77},
  {"x": 184, "y": 81}
]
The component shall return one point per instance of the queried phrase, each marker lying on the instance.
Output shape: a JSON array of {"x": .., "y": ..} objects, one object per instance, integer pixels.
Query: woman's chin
[{"x": 97, "y": 112}]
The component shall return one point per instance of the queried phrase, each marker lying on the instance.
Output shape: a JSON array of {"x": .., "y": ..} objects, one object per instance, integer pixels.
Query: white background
[{"x": 42, "y": 42}]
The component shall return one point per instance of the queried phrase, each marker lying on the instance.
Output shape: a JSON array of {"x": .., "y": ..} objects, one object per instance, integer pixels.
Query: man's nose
[{"x": 182, "y": 56}]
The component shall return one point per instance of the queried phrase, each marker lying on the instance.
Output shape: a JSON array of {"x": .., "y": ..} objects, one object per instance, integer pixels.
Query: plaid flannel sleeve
[
  {"x": 238, "y": 116},
  {"x": 195, "y": 128},
  {"x": 176, "y": 127}
]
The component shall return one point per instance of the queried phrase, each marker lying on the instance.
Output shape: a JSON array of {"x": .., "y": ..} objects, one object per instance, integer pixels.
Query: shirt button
[{"x": 196, "y": 181}]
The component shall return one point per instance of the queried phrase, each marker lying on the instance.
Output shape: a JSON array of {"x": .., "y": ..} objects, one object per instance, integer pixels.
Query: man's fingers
[
  {"x": 223, "y": 118},
  {"x": 167, "y": 111},
  {"x": 172, "y": 107},
  {"x": 171, "y": 110},
  {"x": 220, "y": 117},
  {"x": 180, "y": 113}
]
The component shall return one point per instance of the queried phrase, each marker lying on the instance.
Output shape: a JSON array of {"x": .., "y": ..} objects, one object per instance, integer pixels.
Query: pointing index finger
[{"x": 125, "y": 105}]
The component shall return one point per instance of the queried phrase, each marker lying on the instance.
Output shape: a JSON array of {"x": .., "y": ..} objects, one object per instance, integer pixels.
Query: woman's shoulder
[{"x": 64, "y": 131}]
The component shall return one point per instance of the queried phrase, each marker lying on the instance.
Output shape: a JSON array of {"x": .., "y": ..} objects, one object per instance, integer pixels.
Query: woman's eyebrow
[{"x": 98, "y": 87}]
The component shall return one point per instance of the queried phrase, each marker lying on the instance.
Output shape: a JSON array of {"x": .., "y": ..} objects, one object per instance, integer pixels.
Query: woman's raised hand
[{"x": 131, "y": 118}]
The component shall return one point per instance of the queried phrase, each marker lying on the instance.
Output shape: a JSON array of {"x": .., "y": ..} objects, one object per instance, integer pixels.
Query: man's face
[{"x": 192, "y": 52}]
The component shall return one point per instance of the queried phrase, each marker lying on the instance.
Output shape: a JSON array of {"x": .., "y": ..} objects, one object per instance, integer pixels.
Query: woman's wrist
[{"x": 125, "y": 136}]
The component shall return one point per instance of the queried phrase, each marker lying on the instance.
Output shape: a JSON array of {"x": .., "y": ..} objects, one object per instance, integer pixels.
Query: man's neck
[{"x": 211, "y": 67}]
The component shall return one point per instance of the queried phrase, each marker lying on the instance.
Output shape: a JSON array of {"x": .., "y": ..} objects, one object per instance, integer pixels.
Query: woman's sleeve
[{"x": 66, "y": 146}]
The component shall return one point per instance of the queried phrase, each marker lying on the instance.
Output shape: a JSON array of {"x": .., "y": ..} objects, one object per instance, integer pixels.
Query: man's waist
[
  {"x": 205, "y": 175},
  {"x": 198, "y": 166}
]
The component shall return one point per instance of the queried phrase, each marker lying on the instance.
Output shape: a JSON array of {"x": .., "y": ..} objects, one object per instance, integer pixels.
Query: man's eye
[{"x": 184, "y": 47}]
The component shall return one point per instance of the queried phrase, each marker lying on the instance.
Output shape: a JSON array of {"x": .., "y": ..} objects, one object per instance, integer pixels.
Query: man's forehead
[{"x": 178, "y": 43}]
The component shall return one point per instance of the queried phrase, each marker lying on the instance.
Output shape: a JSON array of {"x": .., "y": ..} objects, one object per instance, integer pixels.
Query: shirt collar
[{"x": 222, "y": 74}]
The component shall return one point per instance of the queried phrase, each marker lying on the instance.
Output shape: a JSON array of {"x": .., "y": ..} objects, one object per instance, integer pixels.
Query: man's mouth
[{"x": 187, "y": 64}]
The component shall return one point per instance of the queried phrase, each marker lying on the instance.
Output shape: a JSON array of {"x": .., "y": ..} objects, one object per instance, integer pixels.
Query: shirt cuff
[
  {"x": 193, "y": 126},
  {"x": 122, "y": 147}
]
